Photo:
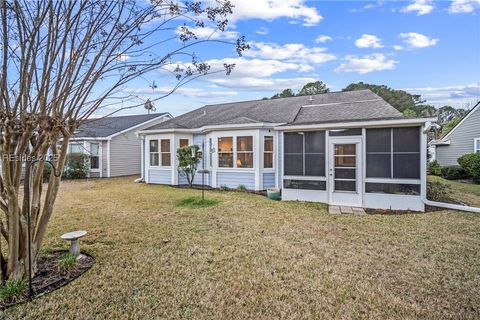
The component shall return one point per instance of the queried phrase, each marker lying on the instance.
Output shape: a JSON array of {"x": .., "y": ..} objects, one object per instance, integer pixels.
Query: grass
[
  {"x": 465, "y": 192},
  {"x": 12, "y": 290},
  {"x": 67, "y": 261},
  {"x": 197, "y": 202},
  {"x": 249, "y": 257}
]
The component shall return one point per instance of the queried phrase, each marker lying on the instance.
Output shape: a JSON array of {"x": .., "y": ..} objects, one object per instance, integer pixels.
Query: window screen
[
  {"x": 393, "y": 153},
  {"x": 345, "y": 132},
  {"x": 392, "y": 188},
  {"x": 304, "y": 153},
  {"x": 305, "y": 184}
]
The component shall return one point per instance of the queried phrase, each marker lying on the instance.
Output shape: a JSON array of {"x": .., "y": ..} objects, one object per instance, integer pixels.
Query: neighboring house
[
  {"x": 111, "y": 143},
  {"x": 462, "y": 139},
  {"x": 345, "y": 148}
]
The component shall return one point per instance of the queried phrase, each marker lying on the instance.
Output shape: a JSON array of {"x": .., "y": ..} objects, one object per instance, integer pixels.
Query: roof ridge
[{"x": 344, "y": 102}]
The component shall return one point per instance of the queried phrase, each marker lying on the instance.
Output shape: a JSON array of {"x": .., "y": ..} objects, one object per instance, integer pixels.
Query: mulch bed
[{"x": 50, "y": 277}]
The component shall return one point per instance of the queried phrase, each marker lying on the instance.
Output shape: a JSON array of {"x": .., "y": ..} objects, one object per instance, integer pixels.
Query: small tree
[
  {"x": 188, "y": 159},
  {"x": 313, "y": 88}
]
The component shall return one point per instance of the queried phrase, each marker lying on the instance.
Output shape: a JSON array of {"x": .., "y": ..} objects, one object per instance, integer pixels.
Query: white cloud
[
  {"x": 366, "y": 64},
  {"x": 292, "y": 52},
  {"x": 185, "y": 91},
  {"x": 263, "y": 84},
  {"x": 322, "y": 38},
  {"x": 397, "y": 47},
  {"x": 417, "y": 40},
  {"x": 463, "y": 6},
  {"x": 262, "y": 31},
  {"x": 270, "y": 10},
  {"x": 212, "y": 33},
  {"x": 459, "y": 95},
  {"x": 420, "y": 6},
  {"x": 256, "y": 67},
  {"x": 368, "y": 41}
]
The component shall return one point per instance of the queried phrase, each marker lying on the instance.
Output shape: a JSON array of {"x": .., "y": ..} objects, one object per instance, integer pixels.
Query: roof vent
[
  {"x": 310, "y": 98},
  {"x": 204, "y": 112}
]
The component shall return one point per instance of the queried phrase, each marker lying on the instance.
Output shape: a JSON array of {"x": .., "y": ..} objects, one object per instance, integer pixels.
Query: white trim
[
  {"x": 476, "y": 141},
  {"x": 355, "y": 124},
  {"x": 108, "y": 159},
  {"x": 89, "y": 138},
  {"x": 205, "y": 129},
  {"x": 393, "y": 181},
  {"x": 461, "y": 121}
]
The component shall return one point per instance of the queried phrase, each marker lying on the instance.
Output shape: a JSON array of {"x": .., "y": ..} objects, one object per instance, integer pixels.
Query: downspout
[
  {"x": 450, "y": 205},
  {"x": 142, "y": 161}
]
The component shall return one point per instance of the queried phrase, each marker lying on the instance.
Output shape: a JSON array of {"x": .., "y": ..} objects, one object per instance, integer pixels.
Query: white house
[
  {"x": 111, "y": 143},
  {"x": 344, "y": 148}
]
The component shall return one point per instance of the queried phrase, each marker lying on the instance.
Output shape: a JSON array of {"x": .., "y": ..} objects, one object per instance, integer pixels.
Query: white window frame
[
  {"x": 180, "y": 142},
  {"x": 243, "y": 152},
  {"x": 227, "y": 152},
  {"x": 269, "y": 152},
  {"x": 234, "y": 152},
  {"x": 476, "y": 145},
  {"x": 150, "y": 153},
  {"x": 160, "y": 160},
  {"x": 98, "y": 155}
]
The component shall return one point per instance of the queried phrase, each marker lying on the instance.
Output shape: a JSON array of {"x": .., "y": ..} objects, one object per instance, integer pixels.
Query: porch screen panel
[
  {"x": 406, "y": 153},
  {"x": 304, "y": 153},
  {"x": 379, "y": 149},
  {"x": 293, "y": 152},
  {"x": 315, "y": 153}
]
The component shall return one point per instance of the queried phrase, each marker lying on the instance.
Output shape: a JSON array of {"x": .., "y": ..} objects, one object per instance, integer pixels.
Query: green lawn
[
  {"x": 249, "y": 257},
  {"x": 464, "y": 192}
]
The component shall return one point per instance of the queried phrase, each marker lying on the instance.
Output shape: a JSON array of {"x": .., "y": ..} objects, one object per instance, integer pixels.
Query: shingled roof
[
  {"x": 322, "y": 108},
  {"x": 107, "y": 126}
]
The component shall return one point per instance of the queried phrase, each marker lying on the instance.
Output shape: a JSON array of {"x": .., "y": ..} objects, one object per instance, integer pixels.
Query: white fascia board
[
  {"x": 259, "y": 125},
  {"x": 463, "y": 120},
  {"x": 89, "y": 138},
  {"x": 356, "y": 124},
  {"x": 168, "y": 115}
]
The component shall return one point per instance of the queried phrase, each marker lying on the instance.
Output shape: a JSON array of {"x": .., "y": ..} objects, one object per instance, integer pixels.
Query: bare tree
[{"x": 61, "y": 62}]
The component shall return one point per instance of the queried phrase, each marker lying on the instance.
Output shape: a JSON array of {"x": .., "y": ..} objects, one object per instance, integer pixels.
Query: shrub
[
  {"x": 67, "y": 261},
  {"x": 12, "y": 289},
  {"x": 224, "y": 188},
  {"x": 76, "y": 166},
  {"x": 434, "y": 168},
  {"x": 438, "y": 191},
  {"x": 241, "y": 187},
  {"x": 454, "y": 172},
  {"x": 471, "y": 164},
  {"x": 188, "y": 164}
]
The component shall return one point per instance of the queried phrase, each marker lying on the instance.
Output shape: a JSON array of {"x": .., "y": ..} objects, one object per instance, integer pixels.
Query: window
[
  {"x": 304, "y": 153},
  {"x": 154, "y": 157},
  {"x": 305, "y": 184},
  {"x": 245, "y": 152},
  {"x": 225, "y": 152},
  {"x": 393, "y": 153},
  {"x": 165, "y": 152},
  {"x": 183, "y": 143},
  {"x": 94, "y": 156},
  {"x": 268, "y": 152},
  {"x": 476, "y": 145},
  {"x": 76, "y": 148}
]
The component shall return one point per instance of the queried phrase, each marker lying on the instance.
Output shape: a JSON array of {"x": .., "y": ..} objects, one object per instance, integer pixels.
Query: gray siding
[
  {"x": 235, "y": 178},
  {"x": 182, "y": 179},
  {"x": 268, "y": 180},
  {"x": 125, "y": 152},
  {"x": 198, "y": 140},
  {"x": 461, "y": 140},
  {"x": 160, "y": 176}
]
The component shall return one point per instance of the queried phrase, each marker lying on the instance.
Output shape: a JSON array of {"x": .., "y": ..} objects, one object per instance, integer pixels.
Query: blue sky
[{"x": 426, "y": 47}]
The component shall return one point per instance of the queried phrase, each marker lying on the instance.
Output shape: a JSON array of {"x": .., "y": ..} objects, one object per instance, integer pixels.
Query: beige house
[{"x": 112, "y": 145}]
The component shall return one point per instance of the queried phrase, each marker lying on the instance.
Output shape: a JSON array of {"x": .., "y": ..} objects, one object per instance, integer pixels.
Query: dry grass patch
[
  {"x": 248, "y": 257},
  {"x": 466, "y": 192}
]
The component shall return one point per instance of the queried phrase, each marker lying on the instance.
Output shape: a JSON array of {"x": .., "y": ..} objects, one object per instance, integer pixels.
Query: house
[
  {"x": 111, "y": 143},
  {"x": 344, "y": 148},
  {"x": 462, "y": 139}
]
